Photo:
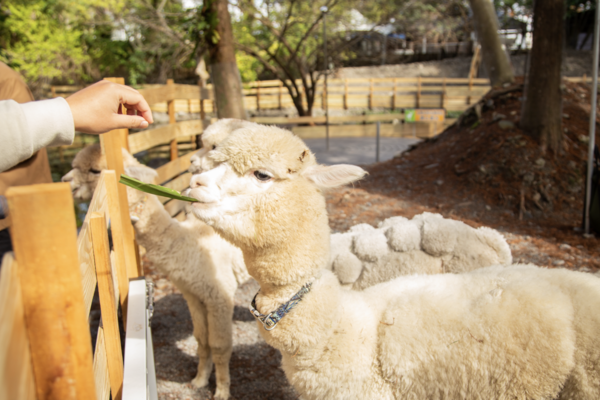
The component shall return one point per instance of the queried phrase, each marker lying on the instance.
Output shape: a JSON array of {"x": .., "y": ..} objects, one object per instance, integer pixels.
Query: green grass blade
[{"x": 154, "y": 189}]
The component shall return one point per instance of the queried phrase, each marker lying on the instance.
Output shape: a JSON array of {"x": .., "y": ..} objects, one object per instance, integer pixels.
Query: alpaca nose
[
  {"x": 196, "y": 181},
  {"x": 68, "y": 177}
]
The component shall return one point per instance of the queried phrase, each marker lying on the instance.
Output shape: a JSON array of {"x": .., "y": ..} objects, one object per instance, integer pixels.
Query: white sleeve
[{"x": 29, "y": 127}]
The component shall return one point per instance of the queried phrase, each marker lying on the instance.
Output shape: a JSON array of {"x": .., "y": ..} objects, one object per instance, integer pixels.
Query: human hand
[{"x": 105, "y": 106}]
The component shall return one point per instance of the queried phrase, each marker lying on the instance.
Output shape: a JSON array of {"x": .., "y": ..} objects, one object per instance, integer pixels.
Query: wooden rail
[
  {"x": 46, "y": 291},
  {"x": 47, "y": 287},
  {"x": 359, "y": 126},
  {"x": 389, "y": 93},
  {"x": 453, "y": 94},
  {"x": 173, "y": 174}
]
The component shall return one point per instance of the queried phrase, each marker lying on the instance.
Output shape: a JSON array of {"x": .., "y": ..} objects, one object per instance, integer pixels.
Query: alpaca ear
[
  {"x": 142, "y": 173},
  {"x": 333, "y": 176}
]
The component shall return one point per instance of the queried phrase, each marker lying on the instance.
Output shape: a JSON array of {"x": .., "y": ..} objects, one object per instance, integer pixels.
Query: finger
[
  {"x": 128, "y": 121},
  {"x": 136, "y": 101}
]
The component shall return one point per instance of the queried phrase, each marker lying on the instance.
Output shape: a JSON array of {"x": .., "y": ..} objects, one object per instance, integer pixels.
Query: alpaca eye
[
  {"x": 94, "y": 171},
  {"x": 214, "y": 146},
  {"x": 261, "y": 176}
]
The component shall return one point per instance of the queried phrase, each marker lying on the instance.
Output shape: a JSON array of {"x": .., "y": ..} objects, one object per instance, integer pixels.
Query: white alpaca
[
  {"x": 204, "y": 267},
  {"x": 427, "y": 244},
  {"x": 364, "y": 256},
  {"x": 517, "y": 332}
]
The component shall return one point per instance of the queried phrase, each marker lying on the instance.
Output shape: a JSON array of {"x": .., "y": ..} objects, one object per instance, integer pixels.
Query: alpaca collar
[{"x": 270, "y": 320}]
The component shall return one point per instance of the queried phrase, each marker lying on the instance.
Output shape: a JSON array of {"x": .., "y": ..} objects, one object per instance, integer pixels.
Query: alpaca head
[
  {"x": 87, "y": 166},
  {"x": 211, "y": 137},
  {"x": 264, "y": 194}
]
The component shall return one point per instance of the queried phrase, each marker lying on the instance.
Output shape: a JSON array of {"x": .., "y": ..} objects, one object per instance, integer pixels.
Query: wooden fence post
[
  {"x": 444, "y": 94},
  {"x": 258, "y": 95},
  {"x": 394, "y": 95},
  {"x": 123, "y": 245},
  {"x": 171, "y": 110},
  {"x": 324, "y": 96},
  {"x": 16, "y": 372},
  {"x": 418, "y": 92},
  {"x": 346, "y": 94},
  {"x": 108, "y": 308},
  {"x": 122, "y": 133},
  {"x": 111, "y": 147},
  {"x": 280, "y": 94},
  {"x": 44, "y": 238},
  {"x": 370, "y": 93}
]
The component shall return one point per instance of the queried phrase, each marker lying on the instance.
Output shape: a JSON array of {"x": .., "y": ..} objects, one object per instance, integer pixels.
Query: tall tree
[
  {"x": 221, "y": 60},
  {"x": 542, "y": 110},
  {"x": 495, "y": 59},
  {"x": 284, "y": 37}
]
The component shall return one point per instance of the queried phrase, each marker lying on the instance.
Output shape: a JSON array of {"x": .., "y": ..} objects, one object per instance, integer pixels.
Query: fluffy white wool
[
  {"x": 501, "y": 332},
  {"x": 427, "y": 244}
]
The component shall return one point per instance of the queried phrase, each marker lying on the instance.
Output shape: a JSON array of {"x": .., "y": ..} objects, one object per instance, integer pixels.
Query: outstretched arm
[{"x": 101, "y": 107}]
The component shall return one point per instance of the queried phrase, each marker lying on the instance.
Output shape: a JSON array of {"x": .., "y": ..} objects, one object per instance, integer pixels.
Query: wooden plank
[
  {"x": 114, "y": 161},
  {"x": 179, "y": 183},
  {"x": 158, "y": 94},
  {"x": 101, "y": 368},
  {"x": 113, "y": 262},
  {"x": 120, "y": 133},
  {"x": 387, "y": 130},
  {"x": 87, "y": 266},
  {"x": 147, "y": 139},
  {"x": 108, "y": 307},
  {"x": 344, "y": 131},
  {"x": 122, "y": 243},
  {"x": 16, "y": 372},
  {"x": 172, "y": 121},
  {"x": 174, "y": 167},
  {"x": 187, "y": 92},
  {"x": 173, "y": 207},
  {"x": 332, "y": 120},
  {"x": 45, "y": 242}
]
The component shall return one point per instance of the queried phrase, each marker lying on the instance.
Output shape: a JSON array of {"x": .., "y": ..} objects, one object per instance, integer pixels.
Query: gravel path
[{"x": 254, "y": 366}]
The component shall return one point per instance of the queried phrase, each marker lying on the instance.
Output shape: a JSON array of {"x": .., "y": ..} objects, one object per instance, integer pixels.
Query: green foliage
[
  {"x": 68, "y": 41},
  {"x": 43, "y": 39},
  {"x": 437, "y": 20},
  {"x": 248, "y": 67}
]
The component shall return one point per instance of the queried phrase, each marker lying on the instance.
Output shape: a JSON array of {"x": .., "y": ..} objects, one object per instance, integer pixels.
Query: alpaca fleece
[{"x": 517, "y": 332}]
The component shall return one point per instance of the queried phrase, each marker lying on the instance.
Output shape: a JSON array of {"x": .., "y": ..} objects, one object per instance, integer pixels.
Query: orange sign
[{"x": 425, "y": 115}]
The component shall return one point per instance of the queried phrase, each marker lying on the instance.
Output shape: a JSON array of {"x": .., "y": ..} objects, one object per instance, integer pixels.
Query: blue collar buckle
[{"x": 270, "y": 320}]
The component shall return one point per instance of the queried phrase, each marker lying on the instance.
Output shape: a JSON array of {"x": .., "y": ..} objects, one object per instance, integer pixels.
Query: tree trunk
[
  {"x": 223, "y": 67},
  {"x": 495, "y": 59},
  {"x": 542, "y": 110}
]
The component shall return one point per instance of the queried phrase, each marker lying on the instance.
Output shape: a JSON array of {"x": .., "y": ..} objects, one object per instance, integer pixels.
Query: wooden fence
[
  {"x": 46, "y": 293},
  {"x": 174, "y": 173},
  {"x": 452, "y": 94},
  {"x": 392, "y": 125},
  {"x": 47, "y": 286}
]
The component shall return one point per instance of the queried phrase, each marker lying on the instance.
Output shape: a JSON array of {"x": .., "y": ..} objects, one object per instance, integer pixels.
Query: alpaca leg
[
  {"x": 198, "y": 313},
  {"x": 221, "y": 343}
]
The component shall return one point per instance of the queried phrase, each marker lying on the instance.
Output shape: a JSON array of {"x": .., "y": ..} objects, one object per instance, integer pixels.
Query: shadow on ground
[{"x": 254, "y": 366}]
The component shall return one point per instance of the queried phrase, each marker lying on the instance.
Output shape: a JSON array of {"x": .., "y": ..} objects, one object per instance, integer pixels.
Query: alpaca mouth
[{"x": 202, "y": 205}]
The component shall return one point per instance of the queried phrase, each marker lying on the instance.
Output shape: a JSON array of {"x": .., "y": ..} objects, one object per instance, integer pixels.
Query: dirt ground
[{"x": 485, "y": 171}]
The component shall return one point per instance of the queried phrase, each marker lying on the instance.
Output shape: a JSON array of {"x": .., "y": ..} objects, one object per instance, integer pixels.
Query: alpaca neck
[
  {"x": 289, "y": 256},
  {"x": 153, "y": 220}
]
